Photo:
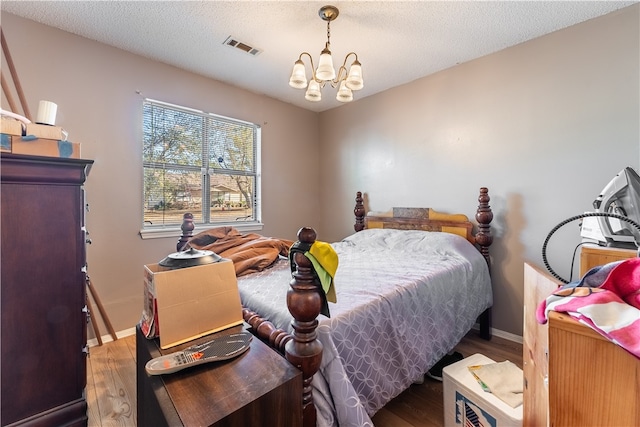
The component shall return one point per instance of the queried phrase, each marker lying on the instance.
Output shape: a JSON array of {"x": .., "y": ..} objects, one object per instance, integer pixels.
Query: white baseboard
[
  {"x": 507, "y": 335},
  {"x": 502, "y": 334},
  {"x": 108, "y": 338}
]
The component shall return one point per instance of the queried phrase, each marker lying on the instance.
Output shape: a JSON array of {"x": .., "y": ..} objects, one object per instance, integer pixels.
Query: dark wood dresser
[
  {"x": 257, "y": 388},
  {"x": 42, "y": 279}
]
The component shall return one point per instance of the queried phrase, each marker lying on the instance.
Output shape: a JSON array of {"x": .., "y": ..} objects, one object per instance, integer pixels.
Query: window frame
[{"x": 206, "y": 172}]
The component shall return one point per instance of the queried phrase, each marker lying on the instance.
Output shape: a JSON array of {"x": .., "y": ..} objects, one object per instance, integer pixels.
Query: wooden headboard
[
  {"x": 425, "y": 219},
  {"x": 428, "y": 219}
]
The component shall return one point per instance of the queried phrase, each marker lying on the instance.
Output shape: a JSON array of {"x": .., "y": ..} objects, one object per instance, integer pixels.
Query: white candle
[{"x": 47, "y": 113}]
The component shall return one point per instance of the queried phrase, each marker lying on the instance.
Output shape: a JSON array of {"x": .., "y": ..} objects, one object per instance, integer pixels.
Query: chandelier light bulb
[
  {"x": 354, "y": 79},
  {"x": 298, "y": 78},
  {"x": 313, "y": 93},
  {"x": 325, "y": 69},
  {"x": 344, "y": 93}
]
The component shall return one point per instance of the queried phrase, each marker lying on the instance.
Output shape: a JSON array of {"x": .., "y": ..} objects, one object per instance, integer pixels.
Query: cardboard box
[
  {"x": 10, "y": 126},
  {"x": 45, "y": 131},
  {"x": 39, "y": 147},
  {"x": 187, "y": 303},
  {"x": 461, "y": 391}
]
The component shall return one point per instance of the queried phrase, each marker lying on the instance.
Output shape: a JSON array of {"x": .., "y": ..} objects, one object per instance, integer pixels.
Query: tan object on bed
[{"x": 249, "y": 252}]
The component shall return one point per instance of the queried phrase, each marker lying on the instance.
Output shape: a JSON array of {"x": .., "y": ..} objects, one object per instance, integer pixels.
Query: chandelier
[{"x": 346, "y": 82}]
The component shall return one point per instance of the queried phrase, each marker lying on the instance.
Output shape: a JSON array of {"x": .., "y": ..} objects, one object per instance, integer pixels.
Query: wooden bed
[{"x": 304, "y": 301}]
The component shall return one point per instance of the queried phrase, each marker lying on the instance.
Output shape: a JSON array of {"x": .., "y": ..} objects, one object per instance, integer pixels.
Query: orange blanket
[{"x": 249, "y": 252}]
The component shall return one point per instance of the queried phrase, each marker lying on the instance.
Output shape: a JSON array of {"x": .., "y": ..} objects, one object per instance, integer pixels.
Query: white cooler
[{"x": 464, "y": 398}]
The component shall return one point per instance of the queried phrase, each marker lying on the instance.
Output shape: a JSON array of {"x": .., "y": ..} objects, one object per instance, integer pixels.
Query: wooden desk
[{"x": 257, "y": 388}]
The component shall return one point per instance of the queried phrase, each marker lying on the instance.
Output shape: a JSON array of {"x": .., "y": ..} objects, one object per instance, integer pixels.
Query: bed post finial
[
  {"x": 484, "y": 216},
  {"x": 304, "y": 302},
  {"x": 484, "y": 238},
  {"x": 187, "y": 230},
  {"x": 359, "y": 212}
]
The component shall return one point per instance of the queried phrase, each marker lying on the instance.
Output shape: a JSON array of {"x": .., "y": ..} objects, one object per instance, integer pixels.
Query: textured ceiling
[{"x": 396, "y": 41}]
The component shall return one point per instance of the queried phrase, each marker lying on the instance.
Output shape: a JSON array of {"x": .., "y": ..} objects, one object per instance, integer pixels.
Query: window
[{"x": 200, "y": 163}]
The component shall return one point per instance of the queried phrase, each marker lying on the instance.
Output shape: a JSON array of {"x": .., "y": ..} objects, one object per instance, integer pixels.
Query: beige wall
[
  {"x": 95, "y": 88},
  {"x": 544, "y": 125}
]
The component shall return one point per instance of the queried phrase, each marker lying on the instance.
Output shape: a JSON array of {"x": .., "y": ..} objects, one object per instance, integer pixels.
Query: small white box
[{"x": 462, "y": 394}]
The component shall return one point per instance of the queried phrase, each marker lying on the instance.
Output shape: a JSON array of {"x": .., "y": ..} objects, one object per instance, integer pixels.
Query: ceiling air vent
[{"x": 231, "y": 41}]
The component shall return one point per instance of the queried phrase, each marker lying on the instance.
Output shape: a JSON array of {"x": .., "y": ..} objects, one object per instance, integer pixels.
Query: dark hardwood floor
[
  {"x": 421, "y": 405},
  {"x": 111, "y": 385}
]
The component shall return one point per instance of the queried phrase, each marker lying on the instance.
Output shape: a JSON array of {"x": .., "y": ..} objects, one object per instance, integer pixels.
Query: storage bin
[{"x": 466, "y": 404}]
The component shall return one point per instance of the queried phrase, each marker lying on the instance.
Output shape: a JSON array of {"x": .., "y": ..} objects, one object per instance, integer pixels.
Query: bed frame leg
[{"x": 485, "y": 324}]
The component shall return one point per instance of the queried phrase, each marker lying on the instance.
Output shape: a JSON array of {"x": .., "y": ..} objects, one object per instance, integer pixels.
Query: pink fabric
[
  {"x": 607, "y": 299},
  {"x": 624, "y": 281}
]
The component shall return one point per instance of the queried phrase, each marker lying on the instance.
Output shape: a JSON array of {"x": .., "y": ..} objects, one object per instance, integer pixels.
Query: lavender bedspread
[{"x": 405, "y": 298}]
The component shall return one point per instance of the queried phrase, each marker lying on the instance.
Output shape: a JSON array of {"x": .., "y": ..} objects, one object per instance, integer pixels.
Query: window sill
[{"x": 176, "y": 231}]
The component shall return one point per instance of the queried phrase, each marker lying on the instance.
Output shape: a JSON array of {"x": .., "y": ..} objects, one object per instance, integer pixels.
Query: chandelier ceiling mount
[{"x": 328, "y": 13}]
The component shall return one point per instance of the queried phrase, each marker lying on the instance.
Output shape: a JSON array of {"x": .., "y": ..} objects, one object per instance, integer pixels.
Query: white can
[{"x": 47, "y": 113}]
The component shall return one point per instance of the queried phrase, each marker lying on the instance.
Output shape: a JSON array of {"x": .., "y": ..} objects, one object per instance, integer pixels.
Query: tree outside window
[{"x": 200, "y": 163}]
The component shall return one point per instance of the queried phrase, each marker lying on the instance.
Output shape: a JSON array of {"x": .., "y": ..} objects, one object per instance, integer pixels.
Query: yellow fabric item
[
  {"x": 441, "y": 216},
  {"x": 325, "y": 260},
  {"x": 460, "y": 231}
]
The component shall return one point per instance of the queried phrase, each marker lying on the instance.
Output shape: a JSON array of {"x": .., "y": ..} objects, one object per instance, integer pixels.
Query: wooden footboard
[{"x": 302, "y": 348}]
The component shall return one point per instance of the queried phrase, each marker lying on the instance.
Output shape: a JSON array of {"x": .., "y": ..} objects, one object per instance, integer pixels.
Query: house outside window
[{"x": 200, "y": 163}]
